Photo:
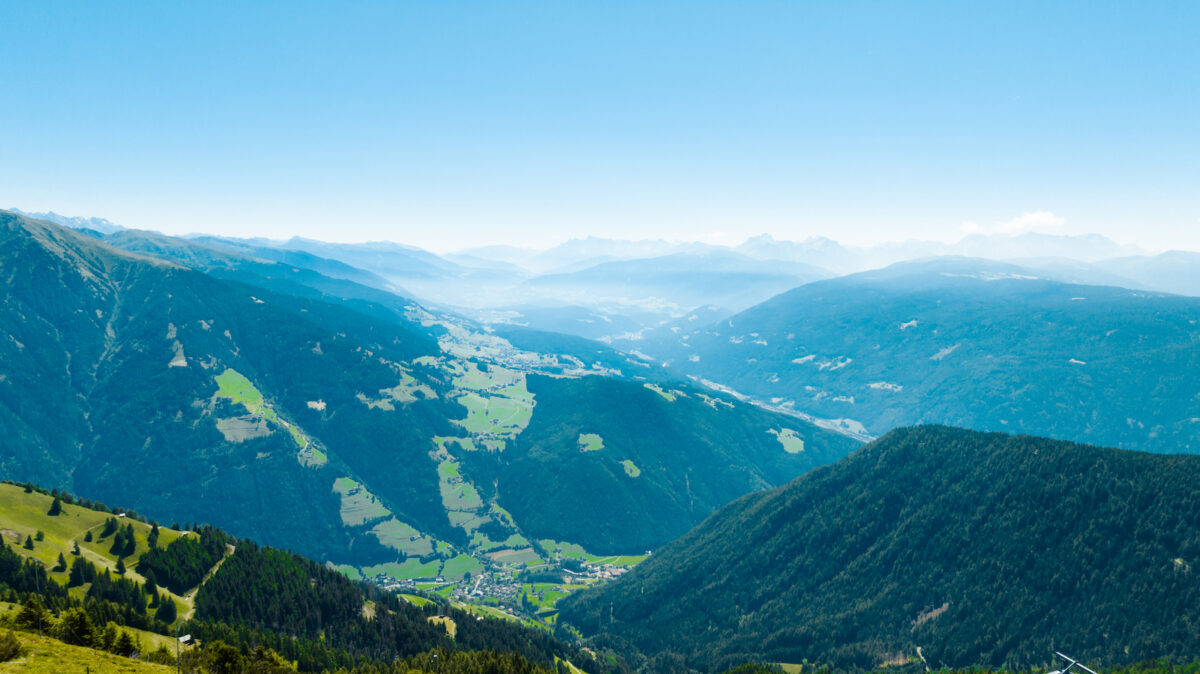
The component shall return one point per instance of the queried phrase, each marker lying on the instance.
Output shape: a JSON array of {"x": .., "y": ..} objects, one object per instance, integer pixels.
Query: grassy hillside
[
  {"x": 46, "y": 655},
  {"x": 958, "y": 547},
  {"x": 245, "y": 595},
  {"x": 23, "y": 514}
]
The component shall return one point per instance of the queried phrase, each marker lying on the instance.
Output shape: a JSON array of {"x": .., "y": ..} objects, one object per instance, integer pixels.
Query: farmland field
[
  {"x": 455, "y": 568},
  {"x": 400, "y": 536},
  {"x": 498, "y": 414},
  {"x": 411, "y": 568},
  {"x": 358, "y": 505}
]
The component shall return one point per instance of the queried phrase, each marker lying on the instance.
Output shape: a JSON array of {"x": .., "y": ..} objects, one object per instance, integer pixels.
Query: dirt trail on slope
[{"x": 190, "y": 597}]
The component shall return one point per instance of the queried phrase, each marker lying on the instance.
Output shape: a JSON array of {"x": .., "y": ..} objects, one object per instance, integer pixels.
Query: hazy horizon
[{"x": 727, "y": 242}]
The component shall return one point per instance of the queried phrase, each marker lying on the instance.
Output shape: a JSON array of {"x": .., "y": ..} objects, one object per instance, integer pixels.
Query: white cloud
[
  {"x": 1023, "y": 223},
  {"x": 1029, "y": 221}
]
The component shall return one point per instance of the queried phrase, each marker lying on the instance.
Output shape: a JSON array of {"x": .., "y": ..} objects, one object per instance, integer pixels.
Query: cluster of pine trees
[
  {"x": 183, "y": 564},
  {"x": 123, "y": 544}
]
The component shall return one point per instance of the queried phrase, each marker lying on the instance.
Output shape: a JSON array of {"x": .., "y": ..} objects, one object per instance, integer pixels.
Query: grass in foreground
[{"x": 51, "y": 656}]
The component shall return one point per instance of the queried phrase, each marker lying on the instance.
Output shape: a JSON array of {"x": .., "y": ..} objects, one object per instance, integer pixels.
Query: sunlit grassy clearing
[
  {"x": 576, "y": 551},
  {"x": 448, "y": 470},
  {"x": 411, "y": 568},
  {"x": 590, "y": 442},
  {"x": 51, "y": 656},
  {"x": 475, "y": 378},
  {"x": 466, "y": 520},
  {"x": 237, "y": 388},
  {"x": 668, "y": 396},
  {"x": 348, "y": 571},
  {"x": 409, "y": 390},
  {"x": 457, "y": 494},
  {"x": 233, "y": 385},
  {"x": 513, "y": 557},
  {"x": 446, "y": 622},
  {"x": 499, "y": 415},
  {"x": 25, "y": 514},
  {"x": 443, "y": 443},
  {"x": 459, "y": 565},
  {"x": 400, "y": 536},
  {"x": 414, "y": 599},
  {"x": 358, "y": 505},
  {"x": 792, "y": 443}
]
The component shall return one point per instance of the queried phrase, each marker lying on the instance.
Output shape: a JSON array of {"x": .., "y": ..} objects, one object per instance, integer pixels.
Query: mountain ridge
[{"x": 982, "y": 549}]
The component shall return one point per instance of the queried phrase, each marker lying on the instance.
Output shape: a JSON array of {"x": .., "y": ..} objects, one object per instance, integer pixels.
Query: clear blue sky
[{"x": 453, "y": 124}]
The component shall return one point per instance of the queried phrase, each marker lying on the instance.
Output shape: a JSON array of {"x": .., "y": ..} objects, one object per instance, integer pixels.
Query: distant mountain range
[
  {"x": 99, "y": 225},
  {"x": 932, "y": 547},
  {"x": 961, "y": 341}
]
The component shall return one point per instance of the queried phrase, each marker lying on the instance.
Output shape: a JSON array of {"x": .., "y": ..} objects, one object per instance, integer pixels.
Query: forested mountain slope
[
  {"x": 978, "y": 549},
  {"x": 96, "y": 571},
  {"x": 965, "y": 342},
  {"x": 374, "y": 434}
]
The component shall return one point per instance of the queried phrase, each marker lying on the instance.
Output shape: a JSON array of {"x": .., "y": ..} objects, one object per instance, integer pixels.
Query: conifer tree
[
  {"x": 75, "y": 548},
  {"x": 32, "y": 616},
  {"x": 124, "y": 645},
  {"x": 55, "y": 507},
  {"x": 76, "y": 628},
  {"x": 28, "y": 543},
  {"x": 166, "y": 610},
  {"x": 77, "y": 576},
  {"x": 87, "y": 538},
  {"x": 108, "y": 637},
  {"x": 121, "y": 566},
  {"x": 62, "y": 563},
  {"x": 39, "y": 536}
]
